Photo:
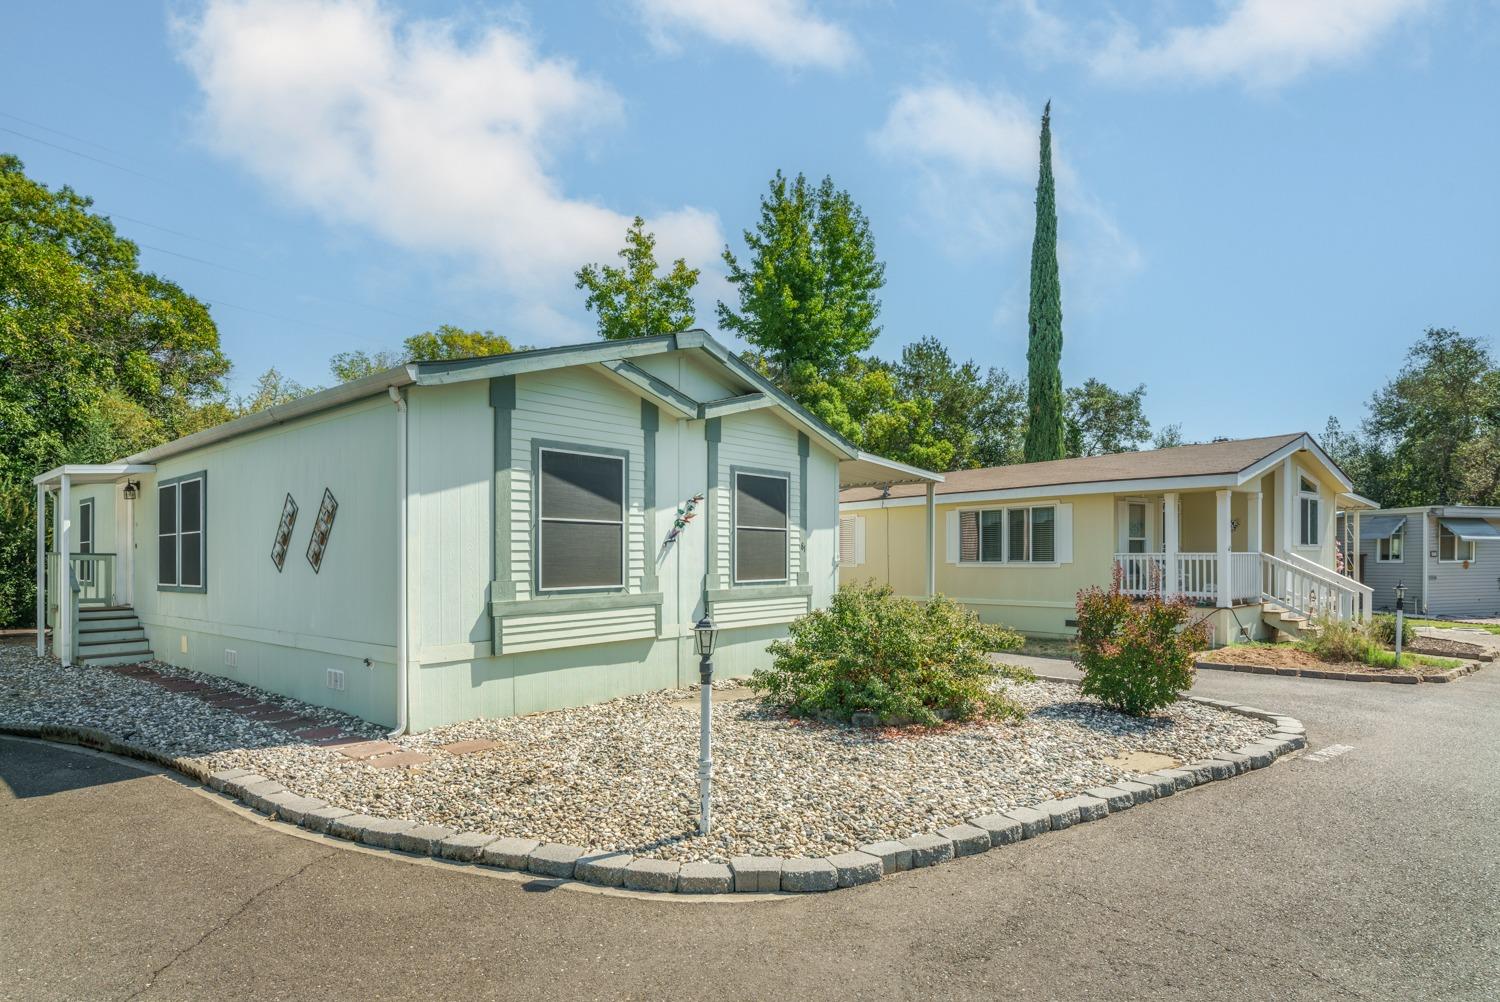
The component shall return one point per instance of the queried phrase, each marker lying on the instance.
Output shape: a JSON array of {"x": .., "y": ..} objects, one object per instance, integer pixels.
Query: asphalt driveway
[{"x": 1369, "y": 871}]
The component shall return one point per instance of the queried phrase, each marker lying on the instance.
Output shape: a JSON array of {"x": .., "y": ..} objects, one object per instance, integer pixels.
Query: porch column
[
  {"x": 1252, "y": 517},
  {"x": 931, "y": 539},
  {"x": 1169, "y": 585},
  {"x": 62, "y": 636},
  {"x": 41, "y": 570},
  {"x": 1286, "y": 508},
  {"x": 1351, "y": 552},
  {"x": 1223, "y": 575}
]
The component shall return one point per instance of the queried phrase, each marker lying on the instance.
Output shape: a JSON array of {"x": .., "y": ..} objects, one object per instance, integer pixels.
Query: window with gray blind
[
  {"x": 981, "y": 536},
  {"x": 760, "y": 528},
  {"x": 581, "y": 522},
  {"x": 181, "y": 518}
]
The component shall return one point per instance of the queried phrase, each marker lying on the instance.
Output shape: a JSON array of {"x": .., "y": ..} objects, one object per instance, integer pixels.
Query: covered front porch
[
  {"x": 98, "y": 572},
  {"x": 1233, "y": 547}
]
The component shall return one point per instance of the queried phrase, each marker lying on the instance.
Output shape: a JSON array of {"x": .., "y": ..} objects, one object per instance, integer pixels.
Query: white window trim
[
  {"x": 1005, "y": 536},
  {"x": 1457, "y": 542},
  {"x": 1145, "y": 536},
  {"x": 1316, "y": 524},
  {"x": 734, "y": 529},
  {"x": 1398, "y": 534},
  {"x": 623, "y": 522}
]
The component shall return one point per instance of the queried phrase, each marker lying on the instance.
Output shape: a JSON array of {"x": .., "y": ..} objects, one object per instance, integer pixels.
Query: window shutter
[
  {"x": 847, "y": 557},
  {"x": 968, "y": 536},
  {"x": 1064, "y": 536},
  {"x": 859, "y": 540},
  {"x": 952, "y": 533}
]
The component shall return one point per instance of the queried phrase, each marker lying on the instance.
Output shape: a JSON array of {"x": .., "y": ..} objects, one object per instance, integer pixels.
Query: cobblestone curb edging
[
  {"x": 1407, "y": 678},
  {"x": 743, "y": 874}
]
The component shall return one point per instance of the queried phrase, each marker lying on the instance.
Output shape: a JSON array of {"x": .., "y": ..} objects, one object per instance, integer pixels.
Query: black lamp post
[{"x": 704, "y": 635}]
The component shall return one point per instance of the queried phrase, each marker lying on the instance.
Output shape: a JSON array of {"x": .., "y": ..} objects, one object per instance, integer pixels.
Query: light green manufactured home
[{"x": 520, "y": 533}]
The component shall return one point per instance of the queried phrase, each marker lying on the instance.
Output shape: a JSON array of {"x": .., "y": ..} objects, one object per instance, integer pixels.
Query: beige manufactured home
[
  {"x": 1246, "y": 529},
  {"x": 449, "y": 540}
]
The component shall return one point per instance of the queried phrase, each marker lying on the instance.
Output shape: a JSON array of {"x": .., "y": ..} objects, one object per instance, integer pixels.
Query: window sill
[
  {"x": 747, "y": 592},
  {"x": 576, "y": 602},
  {"x": 1014, "y": 564},
  {"x": 184, "y": 589}
]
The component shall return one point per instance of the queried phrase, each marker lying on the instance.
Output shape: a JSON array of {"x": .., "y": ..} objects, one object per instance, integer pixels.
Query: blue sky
[{"x": 1262, "y": 202}]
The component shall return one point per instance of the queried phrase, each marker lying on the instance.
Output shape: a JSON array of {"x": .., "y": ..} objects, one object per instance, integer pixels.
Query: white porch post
[
  {"x": 1351, "y": 553},
  {"x": 1224, "y": 574},
  {"x": 62, "y": 637},
  {"x": 1286, "y": 508},
  {"x": 1252, "y": 516},
  {"x": 41, "y": 570},
  {"x": 931, "y": 539},
  {"x": 1169, "y": 585}
]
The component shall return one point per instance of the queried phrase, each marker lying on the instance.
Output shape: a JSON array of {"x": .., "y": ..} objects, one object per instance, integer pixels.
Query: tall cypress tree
[{"x": 1046, "y": 426}]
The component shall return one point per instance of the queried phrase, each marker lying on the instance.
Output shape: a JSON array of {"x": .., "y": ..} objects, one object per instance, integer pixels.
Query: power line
[{"x": 97, "y": 160}]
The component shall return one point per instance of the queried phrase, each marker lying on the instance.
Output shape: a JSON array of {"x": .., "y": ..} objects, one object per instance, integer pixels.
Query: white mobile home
[
  {"x": 449, "y": 540},
  {"x": 1448, "y": 557}
]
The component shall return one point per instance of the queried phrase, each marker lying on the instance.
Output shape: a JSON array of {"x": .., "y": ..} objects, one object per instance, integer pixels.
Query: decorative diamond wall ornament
[
  {"x": 321, "y": 530},
  {"x": 284, "y": 532}
]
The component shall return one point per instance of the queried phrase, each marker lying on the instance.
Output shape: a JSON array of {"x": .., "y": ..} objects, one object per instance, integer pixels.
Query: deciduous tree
[{"x": 633, "y": 300}]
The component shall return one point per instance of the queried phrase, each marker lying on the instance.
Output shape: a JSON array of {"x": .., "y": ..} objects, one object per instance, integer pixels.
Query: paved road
[{"x": 1371, "y": 874}]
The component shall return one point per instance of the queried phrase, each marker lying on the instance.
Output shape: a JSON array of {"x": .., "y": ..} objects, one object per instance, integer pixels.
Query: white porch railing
[
  {"x": 1295, "y": 582},
  {"x": 93, "y": 573}
]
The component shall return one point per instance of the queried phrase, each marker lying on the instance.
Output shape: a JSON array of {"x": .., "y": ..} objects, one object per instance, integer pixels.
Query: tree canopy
[
  {"x": 1101, "y": 420},
  {"x": 633, "y": 300},
  {"x": 1432, "y": 433},
  {"x": 1046, "y": 431},
  {"x": 808, "y": 287},
  {"x": 446, "y": 342},
  {"x": 98, "y": 358}
]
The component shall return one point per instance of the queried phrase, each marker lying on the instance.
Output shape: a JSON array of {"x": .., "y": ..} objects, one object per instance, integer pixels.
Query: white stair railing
[{"x": 1311, "y": 590}]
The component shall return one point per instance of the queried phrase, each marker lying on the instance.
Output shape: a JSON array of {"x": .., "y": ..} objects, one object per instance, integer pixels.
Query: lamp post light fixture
[
  {"x": 1400, "y": 617},
  {"x": 704, "y": 635}
]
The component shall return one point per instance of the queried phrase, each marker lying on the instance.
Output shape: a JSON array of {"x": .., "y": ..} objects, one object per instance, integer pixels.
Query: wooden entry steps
[
  {"x": 111, "y": 635},
  {"x": 1293, "y": 625}
]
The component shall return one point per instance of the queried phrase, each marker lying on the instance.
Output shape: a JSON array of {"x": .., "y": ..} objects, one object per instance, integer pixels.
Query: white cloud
[
  {"x": 976, "y": 159},
  {"x": 1261, "y": 43},
  {"x": 437, "y": 141},
  {"x": 783, "y": 31}
]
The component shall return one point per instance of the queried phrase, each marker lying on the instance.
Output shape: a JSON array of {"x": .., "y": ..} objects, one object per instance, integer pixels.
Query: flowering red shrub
[{"x": 1136, "y": 654}]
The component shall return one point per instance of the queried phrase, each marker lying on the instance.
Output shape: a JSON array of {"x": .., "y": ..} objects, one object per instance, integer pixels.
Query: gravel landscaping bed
[{"x": 622, "y": 775}]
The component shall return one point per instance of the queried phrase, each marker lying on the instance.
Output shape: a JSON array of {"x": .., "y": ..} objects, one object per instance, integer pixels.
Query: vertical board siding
[{"x": 450, "y": 462}]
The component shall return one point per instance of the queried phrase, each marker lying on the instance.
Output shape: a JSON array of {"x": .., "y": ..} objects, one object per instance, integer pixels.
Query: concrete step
[
  {"x": 105, "y": 634},
  {"x": 117, "y": 659}
]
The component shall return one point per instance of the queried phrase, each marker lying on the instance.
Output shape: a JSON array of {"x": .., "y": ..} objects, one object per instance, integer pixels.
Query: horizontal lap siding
[
  {"x": 575, "y": 406},
  {"x": 532, "y": 633},
  {"x": 760, "y": 441},
  {"x": 1466, "y": 591},
  {"x": 1383, "y": 578},
  {"x": 758, "y": 612}
]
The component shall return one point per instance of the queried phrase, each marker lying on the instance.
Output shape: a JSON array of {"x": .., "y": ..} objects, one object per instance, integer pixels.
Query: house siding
[
  {"x": 287, "y": 628},
  {"x": 1382, "y": 578}
]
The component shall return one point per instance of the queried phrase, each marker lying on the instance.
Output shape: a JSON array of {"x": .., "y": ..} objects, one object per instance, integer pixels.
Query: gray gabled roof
[{"x": 613, "y": 356}]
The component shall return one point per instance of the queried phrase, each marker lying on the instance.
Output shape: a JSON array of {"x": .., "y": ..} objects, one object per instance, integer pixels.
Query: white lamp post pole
[{"x": 703, "y": 635}]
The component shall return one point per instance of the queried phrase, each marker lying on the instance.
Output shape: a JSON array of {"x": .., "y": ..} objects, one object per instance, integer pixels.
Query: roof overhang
[
  {"x": 869, "y": 470},
  {"x": 90, "y": 473},
  {"x": 1296, "y": 445},
  {"x": 1349, "y": 499},
  {"x": 1470, "y": 530}
]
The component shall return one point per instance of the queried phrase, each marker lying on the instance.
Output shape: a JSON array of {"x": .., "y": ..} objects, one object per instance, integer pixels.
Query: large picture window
[
  {"x": 1310, "y": 508},
  {"x": 581, "y": 523},
  {"x": 1008, "y": 535},
  {"x": 181, "y": 518},
  {"x": 760, "y": 528}
]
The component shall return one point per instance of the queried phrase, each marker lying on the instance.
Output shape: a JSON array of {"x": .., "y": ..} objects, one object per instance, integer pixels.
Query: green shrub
[
  {"x": 1383, "y": 630},
  {"x": 1136, "y": 656},
  {"x": 1339, "y": 640},
  {"x": 901, "y": 660}
]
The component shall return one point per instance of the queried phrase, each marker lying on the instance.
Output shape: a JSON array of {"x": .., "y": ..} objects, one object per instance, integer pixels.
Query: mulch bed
[{"x": 1295, "y": 662}]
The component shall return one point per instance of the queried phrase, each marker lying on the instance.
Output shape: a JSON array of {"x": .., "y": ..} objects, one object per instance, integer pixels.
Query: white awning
[
  {"x": 90, "y": 473},
  {"x": 869, "y": 470},
  {"x": 1380, "y": 526},
  {"x": 1470, "y": 529}
]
